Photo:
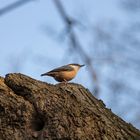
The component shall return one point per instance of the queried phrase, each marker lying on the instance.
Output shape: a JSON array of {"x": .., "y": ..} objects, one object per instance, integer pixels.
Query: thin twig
[
  {"x": 70, "y": 23},
  {"x": 13, "y": 6}
]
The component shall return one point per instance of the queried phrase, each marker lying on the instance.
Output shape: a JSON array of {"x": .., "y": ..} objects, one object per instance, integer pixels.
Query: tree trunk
[{"x": 31, "y": 109}]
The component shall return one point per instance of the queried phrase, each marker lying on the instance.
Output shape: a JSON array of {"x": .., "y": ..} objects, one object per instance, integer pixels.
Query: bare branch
[
  {"x": 75, "y": 43},
  {"x": 13, "y": 6}
]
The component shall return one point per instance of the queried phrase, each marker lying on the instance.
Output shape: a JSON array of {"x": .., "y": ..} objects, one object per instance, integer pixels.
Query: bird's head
[{"x": 76, "y": 66}]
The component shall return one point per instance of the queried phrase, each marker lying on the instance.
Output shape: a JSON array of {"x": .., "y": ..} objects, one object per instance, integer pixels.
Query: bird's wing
[
  {"x": 54, "y": 71},
  {"x": 63, "y": 68}
]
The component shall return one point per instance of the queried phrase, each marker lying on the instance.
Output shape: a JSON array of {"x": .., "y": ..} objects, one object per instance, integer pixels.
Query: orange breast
[{"x": 65, "y": 75}]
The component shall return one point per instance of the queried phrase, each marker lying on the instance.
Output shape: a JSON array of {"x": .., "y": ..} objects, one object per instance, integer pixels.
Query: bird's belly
[{"x": 65, "y": 76}]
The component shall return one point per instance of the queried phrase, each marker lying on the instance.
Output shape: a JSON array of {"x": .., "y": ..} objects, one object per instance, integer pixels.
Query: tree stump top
[{"x": 31, "y": 109}]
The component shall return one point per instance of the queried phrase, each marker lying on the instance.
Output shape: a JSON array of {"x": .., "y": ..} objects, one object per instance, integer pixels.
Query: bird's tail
[
  {"x": 43, "y": 74},
  {"x": 47, "y": 74}
]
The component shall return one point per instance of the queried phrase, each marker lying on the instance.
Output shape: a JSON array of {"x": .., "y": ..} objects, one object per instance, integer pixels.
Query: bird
[{"x": 64, "y": 73}]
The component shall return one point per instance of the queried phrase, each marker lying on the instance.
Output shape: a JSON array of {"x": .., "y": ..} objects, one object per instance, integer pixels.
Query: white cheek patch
[{"x": 75, "y": 67}]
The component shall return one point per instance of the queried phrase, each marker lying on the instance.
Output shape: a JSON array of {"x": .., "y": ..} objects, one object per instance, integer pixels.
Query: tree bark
[{"x": 31, "y": 109}]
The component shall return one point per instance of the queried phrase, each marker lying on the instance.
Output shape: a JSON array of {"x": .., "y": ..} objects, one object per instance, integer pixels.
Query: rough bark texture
[{"x": 31, "y": 109}]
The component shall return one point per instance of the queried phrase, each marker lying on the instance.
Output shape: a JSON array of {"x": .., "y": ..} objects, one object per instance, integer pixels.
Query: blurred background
[{"x": 39, "y": 35}]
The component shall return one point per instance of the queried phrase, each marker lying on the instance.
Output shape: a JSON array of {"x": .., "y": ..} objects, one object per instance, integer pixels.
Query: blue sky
[{"x": 23, "y": 30}]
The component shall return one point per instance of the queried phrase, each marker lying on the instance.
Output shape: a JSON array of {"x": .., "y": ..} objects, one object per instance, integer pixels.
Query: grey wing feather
[{"x": 63, "y": 68}]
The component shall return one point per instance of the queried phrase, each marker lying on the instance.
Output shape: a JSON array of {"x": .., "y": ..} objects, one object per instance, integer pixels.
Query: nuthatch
[{"x": 64, "y": 73}]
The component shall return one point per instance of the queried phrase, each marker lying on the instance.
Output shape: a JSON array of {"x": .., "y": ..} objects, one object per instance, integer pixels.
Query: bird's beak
[{"x": 82, "y": 65}]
